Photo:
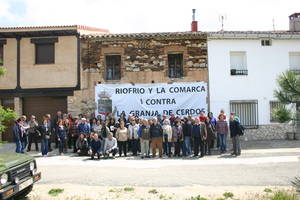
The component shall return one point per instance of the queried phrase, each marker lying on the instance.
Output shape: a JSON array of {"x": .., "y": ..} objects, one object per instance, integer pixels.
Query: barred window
[
  {"x": 175, "y": 62},
  {"x": 113, "y": 67},
  {"x": 274, "y": 105},
  {"x": 238, "y": 63},
  {"x": 247, "y": 111}
]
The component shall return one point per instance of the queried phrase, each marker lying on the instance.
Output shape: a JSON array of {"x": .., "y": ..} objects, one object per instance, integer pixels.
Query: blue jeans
[
  {"x": 44, "y": 147},
  {"x": 223, "y": 139},
  {"x": 19, "y": 146},
  {"x": 187, "y": 146},
  {"x": 61, "y": 145},
  {"x": 167, "y": 148}
]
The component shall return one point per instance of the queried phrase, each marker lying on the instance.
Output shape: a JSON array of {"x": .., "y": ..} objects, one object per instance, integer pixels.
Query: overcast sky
[{"x": 122, "y": 16}]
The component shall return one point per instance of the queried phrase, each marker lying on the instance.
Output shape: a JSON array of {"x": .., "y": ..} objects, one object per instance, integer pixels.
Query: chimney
[
  {"x": 295, "y": 22},
  {"x": 194, "y": 23}
]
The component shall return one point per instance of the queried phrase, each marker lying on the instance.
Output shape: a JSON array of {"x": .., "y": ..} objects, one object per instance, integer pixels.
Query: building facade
[
  {"x": 138, "y": 58},
  {"x": 243, "y": 69},
  {"x": 43, "y": 68}
]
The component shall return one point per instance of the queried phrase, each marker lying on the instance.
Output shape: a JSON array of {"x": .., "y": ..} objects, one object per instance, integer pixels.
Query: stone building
[{"x": 138, "y": 58}]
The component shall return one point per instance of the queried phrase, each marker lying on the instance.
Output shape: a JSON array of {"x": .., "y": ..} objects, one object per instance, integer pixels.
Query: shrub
[
  {"x": 228, "y": 195},
  {"x": 153, "y": 191},
  {"x": 128, "y": 189},
  {"x": 55, "y": 192},
  {"x": 296, "y": 183},
  {"x": 282, "y": 114},
  {"x": 284, "y": 195},
  {"x": 267, "y": 190}
]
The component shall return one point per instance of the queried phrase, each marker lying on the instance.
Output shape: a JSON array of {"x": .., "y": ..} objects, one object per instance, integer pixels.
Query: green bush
[
  {"x": 197, "y": 198},
  {"x": 228, "y": 195},
  {"x": 284, "y": 195},
  {"x": 128, "y": 189},
  {"x": 153, "y": 191},
  {"x": 55, "y": 192},
  {"x": 296, "y": 183},
  {"x": 282, "y": 114},
  {"x": 267, "y": 190}
]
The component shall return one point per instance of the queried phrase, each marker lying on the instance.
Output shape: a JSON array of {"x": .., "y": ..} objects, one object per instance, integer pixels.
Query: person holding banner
[
  {"x": 122, "y": 137},
  {"x": 156, "y": 136}
]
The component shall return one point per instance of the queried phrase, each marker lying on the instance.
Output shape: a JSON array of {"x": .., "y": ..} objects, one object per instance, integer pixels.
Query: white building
[{"x": 243, "y": 68}]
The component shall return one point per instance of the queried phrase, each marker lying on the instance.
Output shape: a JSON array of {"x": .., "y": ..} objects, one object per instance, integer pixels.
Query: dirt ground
[{"x": 83, "y": 192}]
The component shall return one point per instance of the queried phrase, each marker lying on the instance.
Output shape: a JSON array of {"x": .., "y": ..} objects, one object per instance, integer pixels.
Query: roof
[
  {"x": 146, "y": 35},
  {"x": 280, "y": 34},
  {"x": 53, "y": 28}
]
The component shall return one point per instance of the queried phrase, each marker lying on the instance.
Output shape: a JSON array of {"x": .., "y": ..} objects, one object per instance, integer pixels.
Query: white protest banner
[{"x": 149, "y": 100}]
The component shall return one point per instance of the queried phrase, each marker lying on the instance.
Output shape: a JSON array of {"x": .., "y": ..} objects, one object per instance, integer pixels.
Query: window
[
  {"x": 238, "y": 63},
  {"x": 1, "y": 55},
  {"x": 294, "y": 58},
  {"x": 113, "y": 67},
  {"x": 266, "y": 43},
  {"x": 44, "y": 53},
  {"x": 175, "y": 63},
  {"x": 247, "y": 111}
]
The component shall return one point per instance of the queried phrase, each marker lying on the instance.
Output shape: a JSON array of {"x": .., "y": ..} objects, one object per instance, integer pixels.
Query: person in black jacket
[
  {"x": 61, "y": 135},
  {"x": 156, "y": 136},
  {"x": 44, "y": 131},
  {"x": 95, "y": 146},
  {"x": 187, "y": 129},
  {"x": 18, "y": 135},
  {"x": 235, "y": 132}
]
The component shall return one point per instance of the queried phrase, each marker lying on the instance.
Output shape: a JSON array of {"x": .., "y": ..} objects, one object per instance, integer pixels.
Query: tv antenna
[
  {"x": 273, "y": 22},
  {"x": 222, "y": 19}
]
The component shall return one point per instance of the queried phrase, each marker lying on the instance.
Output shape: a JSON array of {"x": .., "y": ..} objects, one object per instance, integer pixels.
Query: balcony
[{"x": 234, "y": 72}]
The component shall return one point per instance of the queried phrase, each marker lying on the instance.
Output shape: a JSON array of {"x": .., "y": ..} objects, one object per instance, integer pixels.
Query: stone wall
[
  {"x": 142, "y": 61},
  {"x": 268, "y": 132}
]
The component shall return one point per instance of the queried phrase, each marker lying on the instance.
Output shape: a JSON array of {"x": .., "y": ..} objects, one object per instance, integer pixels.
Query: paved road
[{"x": 268, "y": 165}]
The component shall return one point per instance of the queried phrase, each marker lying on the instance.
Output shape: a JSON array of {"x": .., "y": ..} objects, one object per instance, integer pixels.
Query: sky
[{"x": 130, "y": 16}]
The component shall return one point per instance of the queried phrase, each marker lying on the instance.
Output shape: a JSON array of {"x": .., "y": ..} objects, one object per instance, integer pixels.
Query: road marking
[{"x": 159, "y": 163}]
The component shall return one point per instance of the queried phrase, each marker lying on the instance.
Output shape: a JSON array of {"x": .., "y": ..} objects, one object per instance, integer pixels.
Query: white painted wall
[{"x": 264, "y": 64}]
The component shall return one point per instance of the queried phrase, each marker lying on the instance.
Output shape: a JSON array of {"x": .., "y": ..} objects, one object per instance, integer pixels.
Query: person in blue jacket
[
  {"x": 95, "y": 147},
  {"x": 18, "y": 136}
]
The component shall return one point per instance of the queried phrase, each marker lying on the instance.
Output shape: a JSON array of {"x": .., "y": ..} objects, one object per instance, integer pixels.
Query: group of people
[{"x": 105, "y": 136}]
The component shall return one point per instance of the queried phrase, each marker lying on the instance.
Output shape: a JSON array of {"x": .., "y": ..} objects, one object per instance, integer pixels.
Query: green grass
[
  {"x": 197, "y": 198},
  {"x": 153, "y": 191},
  {"x": 128, "y": 189},
  {"x": 268, "y": 190},
  {"x": 296, "y": 183},
  {"x": 228, "y": 195},
  {"x": 115, "y": 190},
  {"x": 55, "y": 192},
  {"x": 284, "y": 195}
]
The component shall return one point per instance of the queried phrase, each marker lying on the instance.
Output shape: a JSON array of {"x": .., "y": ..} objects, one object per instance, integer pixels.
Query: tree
[
  {"x": 289, "y": 93},
  {"x": 6, "y": 114}
]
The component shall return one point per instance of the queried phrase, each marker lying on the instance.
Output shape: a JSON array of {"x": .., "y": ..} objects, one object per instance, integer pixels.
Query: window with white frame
[
  {"x": 294, "y": 58},
  {"x": 238, "y": 63}
]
